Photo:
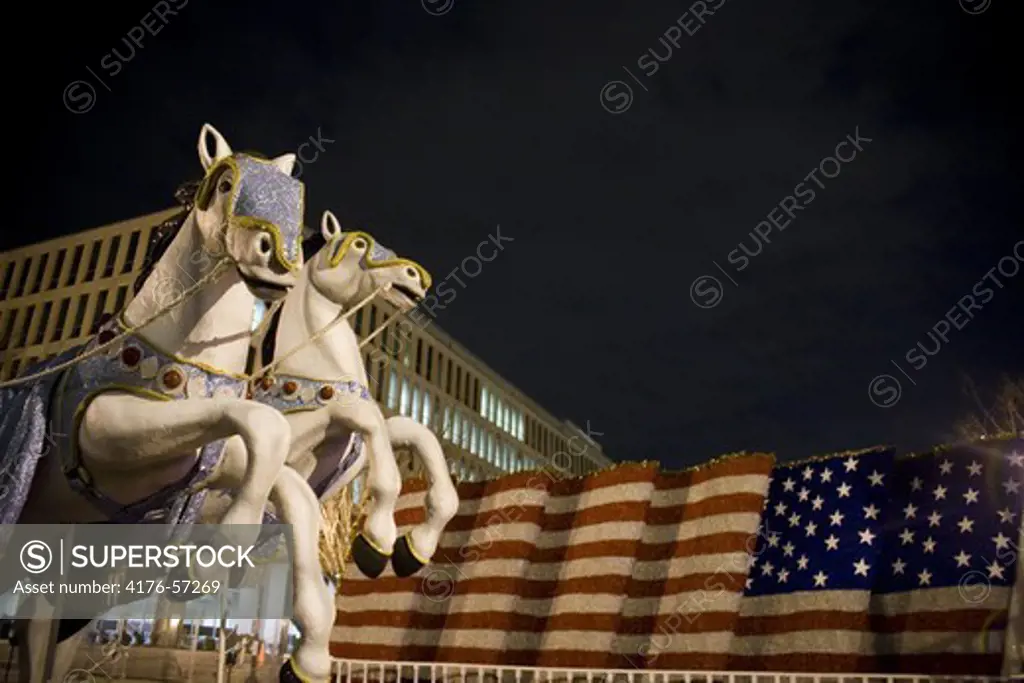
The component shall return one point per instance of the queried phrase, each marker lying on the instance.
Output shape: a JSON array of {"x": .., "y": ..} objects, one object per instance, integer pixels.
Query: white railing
[{"x": 369, "y": 671}]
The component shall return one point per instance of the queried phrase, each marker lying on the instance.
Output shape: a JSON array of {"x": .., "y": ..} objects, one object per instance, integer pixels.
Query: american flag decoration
[
  {"x": 808, "y": 595},
  {"x": 874, "y": 564},
  {"x": 628, "y": 567},
  {"x": 946, "y": 577}
]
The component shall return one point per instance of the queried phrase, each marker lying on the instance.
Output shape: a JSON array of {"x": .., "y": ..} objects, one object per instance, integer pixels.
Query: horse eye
[{"x": 224, "y": 186}]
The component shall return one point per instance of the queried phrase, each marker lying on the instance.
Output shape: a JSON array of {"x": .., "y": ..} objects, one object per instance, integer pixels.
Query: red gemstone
[
  {"x": 326, "y": 392},
  {"x": 173, "y": 379},
  {"x": 131, "y": 356},
  {"x": 290, "y": 387}
]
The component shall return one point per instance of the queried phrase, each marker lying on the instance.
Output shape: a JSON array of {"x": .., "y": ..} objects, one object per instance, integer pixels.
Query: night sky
[{"x": 439, "y": 122}]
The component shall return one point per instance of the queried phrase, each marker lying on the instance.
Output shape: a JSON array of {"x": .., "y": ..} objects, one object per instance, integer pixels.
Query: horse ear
[
  {"x": 285, "y": 163},
  {"x": 329, "y": 226},
  {"x": 222, "y": 149}
]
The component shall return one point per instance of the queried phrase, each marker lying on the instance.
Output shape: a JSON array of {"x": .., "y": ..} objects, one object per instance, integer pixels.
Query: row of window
[
  {"x": 455, "y": 426},
  {"x": 32, "y": 275},
  {"x": 16, "y": 324},
  {"x": 444, "y": 370}
]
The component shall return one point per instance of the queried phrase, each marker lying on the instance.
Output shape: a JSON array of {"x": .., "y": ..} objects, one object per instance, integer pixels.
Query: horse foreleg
[
  {"x": 128, "y": 433},
  {"x": 313, "y": 608},
  {"x": 373, "y": 547},
  {"x": 415, "y": 549}
]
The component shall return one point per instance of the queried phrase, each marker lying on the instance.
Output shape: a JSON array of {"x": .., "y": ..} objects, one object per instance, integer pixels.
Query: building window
[
  {"x": 76, "y": 330},
  {"x": 23, "y": 335},
  {"x": 101, "y": 306},
  {"x": 62, "y": 313},
  {"x": 115, "y": 245},
  {"x": 430, "y": 363},
  {"x": 43, "y": 321},
  {"x": 6, "y": 285},
  {"x": 76, "y": 262},
  {"x": 38, "y": 282},
  {"x": 122, "y": 294},
  {"x": 15, "y": 364},
  {"x": 393, "y": 391},
  {"x": 403, "y": 407},
  {"x": 5, "y": 338},
  {"x": 419, "y": 356},
  {"x": 456, "y": 427},
  {"x": 58, "y": 265},
  {"x": 129, "y": 258},
  {"x": 23, "y": 280},
  {"x": 94, "y": 260}
]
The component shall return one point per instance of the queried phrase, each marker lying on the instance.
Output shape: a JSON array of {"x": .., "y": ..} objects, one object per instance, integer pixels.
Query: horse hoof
[
  {"x": 289, "y": 674},
  {"x": 405, "y": 561},
  {"x": 371, "y": 562}
]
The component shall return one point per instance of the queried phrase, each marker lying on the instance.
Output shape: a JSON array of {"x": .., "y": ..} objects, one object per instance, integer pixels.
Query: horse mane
[{"x": 161, "y": 236}]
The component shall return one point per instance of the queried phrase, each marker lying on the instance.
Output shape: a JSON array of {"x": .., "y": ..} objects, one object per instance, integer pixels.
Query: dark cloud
[{"x": 442, "y": 128}]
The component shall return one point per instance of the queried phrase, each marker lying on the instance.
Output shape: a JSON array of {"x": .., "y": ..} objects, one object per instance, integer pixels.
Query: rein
[{"x": 218, "y": 267}]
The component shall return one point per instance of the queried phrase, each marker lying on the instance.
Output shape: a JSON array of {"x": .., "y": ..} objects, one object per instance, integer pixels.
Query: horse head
[
  {"x": 352, "y": 265},
  {"x": 249, "y": 210}
]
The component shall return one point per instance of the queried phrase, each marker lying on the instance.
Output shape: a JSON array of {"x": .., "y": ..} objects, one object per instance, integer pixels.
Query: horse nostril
[{"x": 265, "y": 244}]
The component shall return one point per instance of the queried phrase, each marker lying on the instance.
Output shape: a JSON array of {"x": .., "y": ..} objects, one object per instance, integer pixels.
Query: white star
[
  {"x": 946, "y": 467},
  {"x": 780, "y": 509},
  {"x": 915, "y": 484},
  {"x": 783, "y": 575},
  {"x": 871, "y": 512},
  {"x": 934, "y": 518},
  {"x": 788, "y": 485},
  {"x": 820, "y": 578},
  {"x": 773, "y": 539},
  {"x": 811, "y": 528},
  {"x": 803, "y": 494},
  {"x": 1011, "y": 486},
  {"x": 940, "y": 492},
  {"x": 963, "y": 559},
  {"x": 844, "y": 490},
  {"x": 851, "y": 464},
  {"x": 1005, "y": 516},
  {"x": 750, "y": 582},
  {"x": 910, "y": 512},
  {"x": 860, "y": 568},
  {"x": 995, "y": 571},
  {"x": 826, "y": 475},
  {"x": 907, "y": 537},
  {"x": 971, "y": 496},
  {"x": 1016, "y": 459},
  {"x": 1001, "y": 541},
  {"x": 767, "y": 569},
  {"x": 966, "y": 525},
  {"x": 929, "y": 545},
  {"x": 788, "y": 549},
  {"x": 974, "y": 468},
  {"x": 837, "y": 518},
  {"x": 801, "y": 562},
  {"x": 808, "y": 473},
  {"x": 794, "y": 519},
  {"x": 876, "y": 478},
  {"x": 832, "y": 542},
  {"x": 898, "y": 566},
  {"x": 866, "y": 536},
  {"x": 925, "y": 578},
  {"x": 817, "y": 503}
]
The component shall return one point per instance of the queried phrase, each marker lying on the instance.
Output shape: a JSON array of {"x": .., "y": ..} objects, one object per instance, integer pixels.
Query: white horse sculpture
[
  {"x": 331, "y": 419},
  {"x": 320, "y": 383},
  {"x": 126, "y": 447}
]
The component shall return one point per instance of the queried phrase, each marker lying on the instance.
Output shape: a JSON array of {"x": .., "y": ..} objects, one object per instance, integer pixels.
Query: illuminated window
[
  {"x": 485, "y": 397},
  {"x": 428, "y": 404},
  {"x": 474, "y": 445},
  {"x": 416, "y": 403},
  {"x": 465, "y": 434},
  {"x": 456, "y": 427},
  {"x": 393, "y": 390},
  {"x": 404, "y": 406}
]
